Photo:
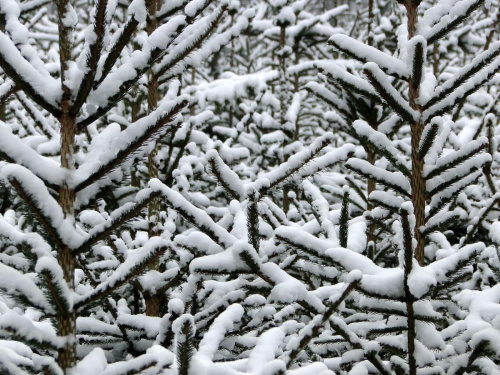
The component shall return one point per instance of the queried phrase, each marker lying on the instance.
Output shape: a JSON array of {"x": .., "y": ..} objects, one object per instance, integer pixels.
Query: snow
[
  {"x": 138, "y": 10},
  {"x": 70, "y": 18},
  {"x": 127, "y": 269},
  {"x": 393, "y": 179},
  {"x": 399, "y": 104},
  {"x": 47, "y": 169},
  {"x": 391, "y": 65},
  {"x": 44, "y": 202},
  {"x": 286, "y": 16},
  {"x": 253, "y": 173},
  {"x": 440, "y": 16},
  {"x": 14, "y": 282},
  {"x": 212, "y": 339},
  {"x": 337, "y": 73},
  {"x": 48, "y": 87}
]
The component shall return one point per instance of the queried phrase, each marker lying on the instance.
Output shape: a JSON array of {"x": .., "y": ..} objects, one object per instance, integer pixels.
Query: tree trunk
[
  {"x": 417, "y": 197},
  {"x": 66, "y": 323},
  {"x": 153, "y": 96},
  {"x": 417, "y": 179},
  {"x": 152, "y": 301}
]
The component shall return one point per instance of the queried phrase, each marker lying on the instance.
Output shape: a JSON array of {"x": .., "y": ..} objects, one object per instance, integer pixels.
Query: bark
[
  {"x": 2, "y": 102},
  {"x": 417, "y": 179},
  {"x": 66, "y": 323},
  {"x": 153, "y": 97},
  {"x": 152, "y": 302},
  {"x": 418, "y": 198},
  {"x": 282, "y": 74},
  {"x": 371, "y": 187}
]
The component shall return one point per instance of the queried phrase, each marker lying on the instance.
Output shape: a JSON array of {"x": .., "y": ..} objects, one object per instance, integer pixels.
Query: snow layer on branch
[
  {"x": 13, "y": 282},
  {"x": 45, "y": 168},
  {"x": 468, "y": 87},
  {"x": 321, "y": 206},
  {"x": 161, "y": 38},
  {"x": 396, "y": 179},
  {"x": 231, "y": 87},
  {"x": 47, "y": 87},
  {"x": 391, "y": 95},
  {"x": 384, "y": 281},
  {"x": 421, "y": 279},
  {"x": 482, "y": 320},
  {"x": 466, "y": 69},
  {"x": 134, "y": 259},
  {"x": 287, "y": 289},
  {"x": 138, "y": 10},
  {"x": 47, "y": 205},
  {"x": 194, "y": 6},
  {"x": 438, "y": 17},
  {"x": 339, "y": 73},
  {"x": 105, "y": 147},
  {"x": 155, "y": 360},
  {"x": 227, "y": 174},
  {"x": 303, "y": 164},
  {"x": 457, "y": 155},
  {"x": 379, "y": 139},
  {"x": 389, "y": 64},
  {"x": 13, "y": 234},
  {"x": 221, "y": 39},
  {"x": 23, "y": 327},
  {"x": 197, "y": 217},
  {"x": 225, "y": 322},
  {"x": 265, "y": 350},
  {"x": 433, "y": 14}
]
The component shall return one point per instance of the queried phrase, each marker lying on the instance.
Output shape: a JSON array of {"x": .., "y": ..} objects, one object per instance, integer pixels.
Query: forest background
[{"x": 259, "y": 187}]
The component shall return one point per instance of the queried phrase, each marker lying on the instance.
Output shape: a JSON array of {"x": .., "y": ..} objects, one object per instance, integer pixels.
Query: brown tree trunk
[
  {"x": 417, "y": 197},
  {"x": 153, "y": 96},
  {"x": 282, "y": 75},
  {"x": 417, "y": 179},
  {"x": 66, "y": 323},
  {"x": 2, "y": 103},
  {"x": 152, "y": 302},
  {"x": 371, "y": 187}
]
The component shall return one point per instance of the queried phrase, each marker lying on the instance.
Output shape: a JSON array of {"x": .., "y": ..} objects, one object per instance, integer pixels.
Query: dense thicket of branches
[{"x": 208, "y": 187}]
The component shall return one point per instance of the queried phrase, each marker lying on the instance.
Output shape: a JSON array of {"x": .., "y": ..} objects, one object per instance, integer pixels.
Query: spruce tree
[{"x": 68, "y": 198}]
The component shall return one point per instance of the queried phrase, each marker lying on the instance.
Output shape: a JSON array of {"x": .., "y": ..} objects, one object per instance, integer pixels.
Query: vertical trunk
[
  {"x": 153, "y": 305},
  {"x": 370, "y": 153},
  {"x": 371, "y": 16},
  {"x": 135, "y": 107},
  {"x": 418, "y": 198},
  {"x": 418, "y": 190},
  {"x": 2, "y": 103},
  {"x": 193, "y": 79},
  {"x": 371, "y": 187},
  {"x": 153, "y": 96},
  {"x": 417, "y": 179},
  {"x": 282, "y": 75},
  {"x": 231, "y": 55},
  {"x": 231, "y": 64},
  {"x": 152, "y": 302},
  {"x": 296, "y": 88},
  {"x": 409, "y": 299},
  {"x": 66, "y": 323}
]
